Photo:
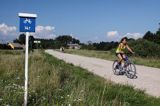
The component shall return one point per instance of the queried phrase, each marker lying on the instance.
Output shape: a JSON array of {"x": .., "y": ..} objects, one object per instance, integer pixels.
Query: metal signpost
[
  {"x": 27, "y": 24},
  {"x": 37, "y": 42}
]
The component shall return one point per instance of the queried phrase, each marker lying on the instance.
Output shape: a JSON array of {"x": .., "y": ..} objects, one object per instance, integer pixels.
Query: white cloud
[
  {"x": 40, "y": 29},
  {"x": 49, "y": 28},
  {"x": 112, "y": 36},
  {"x": 7, "y": 33},
  {"x": 115, "y": 36},
  {"x": 7, "y": 30},
  {"x": 112, "y": 33},
  {"x": 133, "y": 35},
  {"x": 45, "y": 32}
]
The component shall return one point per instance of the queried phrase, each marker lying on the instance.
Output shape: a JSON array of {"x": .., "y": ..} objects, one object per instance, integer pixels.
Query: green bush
[{"x": 145, "y": 48}]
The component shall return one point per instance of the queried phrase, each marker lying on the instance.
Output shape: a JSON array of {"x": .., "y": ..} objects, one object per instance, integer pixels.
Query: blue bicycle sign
[{"x": 27, "y": 24}]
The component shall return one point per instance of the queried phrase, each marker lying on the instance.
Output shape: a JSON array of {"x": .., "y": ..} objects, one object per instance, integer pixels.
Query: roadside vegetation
[
  {"x": 147, "y": 50},
  {"x": 53, "y": 82},
  {"x": 110, "y": 55}
]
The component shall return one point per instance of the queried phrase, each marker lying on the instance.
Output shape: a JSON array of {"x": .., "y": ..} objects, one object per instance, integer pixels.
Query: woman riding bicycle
[{"x": 120, "y": 53}]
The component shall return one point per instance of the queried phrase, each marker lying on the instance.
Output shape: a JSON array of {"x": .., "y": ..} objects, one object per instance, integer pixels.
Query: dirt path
[{"x": 148, "y": 78}]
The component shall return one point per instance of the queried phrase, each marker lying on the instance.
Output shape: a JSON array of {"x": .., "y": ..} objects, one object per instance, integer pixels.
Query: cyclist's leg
[
  {"x": 123, "y": 56},
  {"x": 120, "y": 58}
]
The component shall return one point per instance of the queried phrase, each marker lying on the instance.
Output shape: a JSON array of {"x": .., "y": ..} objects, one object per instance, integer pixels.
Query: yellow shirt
[{"x": 121, "y": 48}]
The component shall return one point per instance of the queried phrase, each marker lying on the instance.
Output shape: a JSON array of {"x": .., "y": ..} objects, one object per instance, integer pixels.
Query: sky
[{"x": 86, "y": 20}]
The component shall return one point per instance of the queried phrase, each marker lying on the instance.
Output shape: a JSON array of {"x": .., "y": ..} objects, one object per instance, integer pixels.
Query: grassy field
[
  {"x": 151, "y": 62},
  {"x": 52, "y": 82}
]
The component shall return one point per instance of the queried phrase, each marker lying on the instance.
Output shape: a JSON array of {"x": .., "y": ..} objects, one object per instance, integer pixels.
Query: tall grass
[
  {"x": 92, "y": 53},
  {"x": 52, "y": 82}
]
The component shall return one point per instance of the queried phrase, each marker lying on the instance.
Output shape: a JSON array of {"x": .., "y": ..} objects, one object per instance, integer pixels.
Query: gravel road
[{"x": 148, "y": 77}]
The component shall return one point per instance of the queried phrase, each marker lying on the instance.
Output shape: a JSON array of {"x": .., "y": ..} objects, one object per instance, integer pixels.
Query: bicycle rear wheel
[
  {"x": 131, "y": 70},
  {"x": 115, "y": 68}
]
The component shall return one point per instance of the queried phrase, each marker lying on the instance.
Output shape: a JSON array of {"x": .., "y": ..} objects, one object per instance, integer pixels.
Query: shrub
[{"x": 145, "y": 48}]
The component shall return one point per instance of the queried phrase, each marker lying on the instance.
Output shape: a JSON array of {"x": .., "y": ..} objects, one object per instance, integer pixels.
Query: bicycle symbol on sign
[{"x": 27, "y": 21}]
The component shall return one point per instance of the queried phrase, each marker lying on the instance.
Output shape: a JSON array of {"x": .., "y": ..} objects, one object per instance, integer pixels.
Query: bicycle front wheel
[
  {"x": 115, "y": 68},
  {"x": 131, "y": 70}
]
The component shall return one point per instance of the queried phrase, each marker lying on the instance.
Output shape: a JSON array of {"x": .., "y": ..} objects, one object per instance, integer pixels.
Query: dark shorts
[{"x": 121, "y": 55}]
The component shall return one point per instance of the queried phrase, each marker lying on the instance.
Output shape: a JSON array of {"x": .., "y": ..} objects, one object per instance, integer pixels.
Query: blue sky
[{"x": 95, "y": 20}]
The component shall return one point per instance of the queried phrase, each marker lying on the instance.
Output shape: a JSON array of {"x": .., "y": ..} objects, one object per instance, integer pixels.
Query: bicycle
[{"x": 129, "y": 69}]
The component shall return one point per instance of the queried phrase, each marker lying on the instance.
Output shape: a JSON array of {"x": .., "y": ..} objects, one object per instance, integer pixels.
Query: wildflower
[
  {"x": 43, "y": 98},
  {"x": 82, "y": 91},
  {"x": 79, "y": 99},
  {"x": 18, "y": 78}
]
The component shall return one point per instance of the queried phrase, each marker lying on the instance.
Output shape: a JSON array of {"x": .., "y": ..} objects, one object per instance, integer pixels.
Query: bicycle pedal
[{"x": 121, "y": 72}]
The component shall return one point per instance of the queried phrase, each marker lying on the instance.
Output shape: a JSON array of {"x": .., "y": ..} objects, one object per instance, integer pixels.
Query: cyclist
[{"x": 120, "y": 53}]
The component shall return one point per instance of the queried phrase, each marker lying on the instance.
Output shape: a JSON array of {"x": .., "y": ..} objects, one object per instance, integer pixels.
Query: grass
[
  {"x": 108, "y": 55},
  {"x": 52, "y": 82},
  {"x": 92, "y": 53}
]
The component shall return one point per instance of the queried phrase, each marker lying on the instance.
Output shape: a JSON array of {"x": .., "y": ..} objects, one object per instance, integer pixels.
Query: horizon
[{"x": 86, "y": 20}]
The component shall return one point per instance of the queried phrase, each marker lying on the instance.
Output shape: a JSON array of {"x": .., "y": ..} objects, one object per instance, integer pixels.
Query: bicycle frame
[
  {"x": 126, "y": 63},
  {"x": 128, "y": 68}
]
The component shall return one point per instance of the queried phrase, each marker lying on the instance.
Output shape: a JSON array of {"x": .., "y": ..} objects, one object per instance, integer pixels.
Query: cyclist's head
[{"x": 124, "y": 40}]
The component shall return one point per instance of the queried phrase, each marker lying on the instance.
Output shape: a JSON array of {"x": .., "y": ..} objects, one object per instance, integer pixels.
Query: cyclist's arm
[
  {"x": 120, "y": 45},
  {"x": 129, "y": 49}
]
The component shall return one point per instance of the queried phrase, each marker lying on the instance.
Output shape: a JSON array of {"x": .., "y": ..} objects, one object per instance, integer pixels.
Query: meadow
[{"x": 53, "y": 82}]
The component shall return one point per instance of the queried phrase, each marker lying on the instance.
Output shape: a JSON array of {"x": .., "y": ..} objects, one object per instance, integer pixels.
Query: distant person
[
  {"x": 62, "y": 49},
  {"x": 120, "y": 53}
]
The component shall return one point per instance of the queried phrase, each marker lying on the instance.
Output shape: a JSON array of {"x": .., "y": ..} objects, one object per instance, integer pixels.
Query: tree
[
  {"x": 31, "y": 43},
  {"x": 157, "y": 38},
  {"x": 149, "y": 36},
  {"x": 145, "y": 48},
  {"x": 75, "y": 41},
  {"x": 22, "y": 38},
  {"x": 64, "y": 40},
  {"x": 16, "y": 41},
  {"x": 105, "y": 46},
  {"x": 158, "y": 33},
  {"x": 89, "y": 42}
]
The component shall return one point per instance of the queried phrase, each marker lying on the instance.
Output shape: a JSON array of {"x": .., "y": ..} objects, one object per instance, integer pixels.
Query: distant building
[
  {"x": 16, "y": 46},
  {"x": 74, "y": 46}
]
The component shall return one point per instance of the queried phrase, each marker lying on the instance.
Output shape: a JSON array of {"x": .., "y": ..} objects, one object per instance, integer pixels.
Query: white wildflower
[{"x": 18, "y": 78}]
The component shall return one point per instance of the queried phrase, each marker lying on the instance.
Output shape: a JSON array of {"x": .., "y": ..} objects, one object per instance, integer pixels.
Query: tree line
[
  {"x": 62, "y": 40},
  {"x": 148, "y": 45},
  {"x": 153, "y": 37}
]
